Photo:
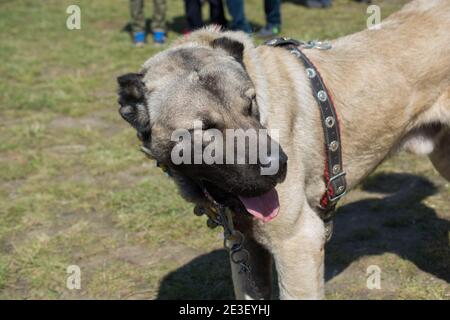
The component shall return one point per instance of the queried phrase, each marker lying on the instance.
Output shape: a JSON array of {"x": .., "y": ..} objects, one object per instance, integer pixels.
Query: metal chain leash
[{"x": 233, "y": 240}]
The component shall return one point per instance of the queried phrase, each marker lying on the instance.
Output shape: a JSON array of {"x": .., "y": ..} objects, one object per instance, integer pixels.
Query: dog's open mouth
[{"x": 264, "y": 207}]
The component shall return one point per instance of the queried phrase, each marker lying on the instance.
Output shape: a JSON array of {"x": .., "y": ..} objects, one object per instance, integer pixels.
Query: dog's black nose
[
  {"x": 275, "y": 165},
  {"x": 279, "y": 158}
]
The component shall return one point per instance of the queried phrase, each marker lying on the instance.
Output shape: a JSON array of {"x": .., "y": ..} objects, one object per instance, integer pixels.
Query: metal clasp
[
  {"x": 316, "y": 44},
  {"x": 337, "y": 197}
]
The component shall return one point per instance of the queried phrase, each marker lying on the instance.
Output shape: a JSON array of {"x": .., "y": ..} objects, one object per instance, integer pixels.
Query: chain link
[{"x": 233, "y": 240}]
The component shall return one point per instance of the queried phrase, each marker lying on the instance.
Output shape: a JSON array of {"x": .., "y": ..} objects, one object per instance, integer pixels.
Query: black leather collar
[{"x": 334, "y": 174}]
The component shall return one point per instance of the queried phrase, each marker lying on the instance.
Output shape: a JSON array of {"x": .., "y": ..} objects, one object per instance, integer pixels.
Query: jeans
[
  {"x": 272, "y": 9},
  {"x": 236, "y": 9},
  {"x": 194, "y": 13}
]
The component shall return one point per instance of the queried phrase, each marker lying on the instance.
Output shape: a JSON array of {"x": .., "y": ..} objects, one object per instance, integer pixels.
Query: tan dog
[{"x": 391, "y": 89}]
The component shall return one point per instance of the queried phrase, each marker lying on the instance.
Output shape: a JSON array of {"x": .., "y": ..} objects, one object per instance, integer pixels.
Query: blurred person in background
[
  {"x": 194, "y": 14},
  {"x": 318, "y": 3},
  {"x": 158, "y": 22},
  {"x": 272, "y": 10},
  {"x": 326, "y": 3},
  {"x": 239, "y": 21}
]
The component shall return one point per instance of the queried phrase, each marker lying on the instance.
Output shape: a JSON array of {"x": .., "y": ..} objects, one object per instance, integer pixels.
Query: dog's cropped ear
[
  {"x": 131, "y": 86},
  {"x": 233, "y": 47}
]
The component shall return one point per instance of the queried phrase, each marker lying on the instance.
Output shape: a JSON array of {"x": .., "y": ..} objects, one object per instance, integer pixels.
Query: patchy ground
[{"x": 75, "y": 190}]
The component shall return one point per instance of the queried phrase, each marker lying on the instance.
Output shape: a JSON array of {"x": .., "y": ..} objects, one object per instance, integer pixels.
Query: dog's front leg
[
  {"x": 257, "y": 284},
  {"x": 299, "y": 258}
]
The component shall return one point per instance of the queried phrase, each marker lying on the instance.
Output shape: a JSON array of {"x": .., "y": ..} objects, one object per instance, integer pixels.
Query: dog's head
[{"x": 183, "y": 101}]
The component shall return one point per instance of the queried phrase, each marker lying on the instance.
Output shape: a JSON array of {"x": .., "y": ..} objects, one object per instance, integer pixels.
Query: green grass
[{"x": 74, "y": 189}]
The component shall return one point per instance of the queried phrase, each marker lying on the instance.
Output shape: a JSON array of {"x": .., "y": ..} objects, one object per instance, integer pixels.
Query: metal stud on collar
[
  {"x": 336, "y": 169},
  {"x": 310, "y": 72},
  {"x": 329, "y": 121},
  {"x": 295, "y": 53},
  {"x": 322, "y": 96},
  {"x": 334, "y": 145}
]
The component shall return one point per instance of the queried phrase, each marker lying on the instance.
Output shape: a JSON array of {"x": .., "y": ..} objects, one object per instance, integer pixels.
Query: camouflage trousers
[{"x": 138, "y": 17}]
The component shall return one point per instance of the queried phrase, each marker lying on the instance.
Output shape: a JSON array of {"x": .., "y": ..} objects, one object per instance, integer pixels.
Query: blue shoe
[
  {"x": 139, "y": 38},
  {"x": 159, "y": 37}
]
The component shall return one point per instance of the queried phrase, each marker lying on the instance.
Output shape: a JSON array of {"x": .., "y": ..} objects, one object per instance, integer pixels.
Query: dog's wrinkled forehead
[
  {"x": 176, "y": 62},
  {"x": 193, "y": 57},
  {"x": 190, "y": 64},
  {"x": 195, "y": 77}
]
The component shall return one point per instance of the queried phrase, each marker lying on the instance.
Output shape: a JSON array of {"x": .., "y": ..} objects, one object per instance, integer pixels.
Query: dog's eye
[
  {"x": 250, "y": 97},
  {"x": 248, "y": 111}
]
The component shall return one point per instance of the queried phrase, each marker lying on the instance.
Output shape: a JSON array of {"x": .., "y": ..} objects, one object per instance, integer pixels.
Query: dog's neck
[{"x": 382, "y": 81}]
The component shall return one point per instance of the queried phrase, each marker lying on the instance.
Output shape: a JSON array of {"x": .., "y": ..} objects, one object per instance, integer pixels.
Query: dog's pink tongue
[{"x": 263, "y": 207}]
